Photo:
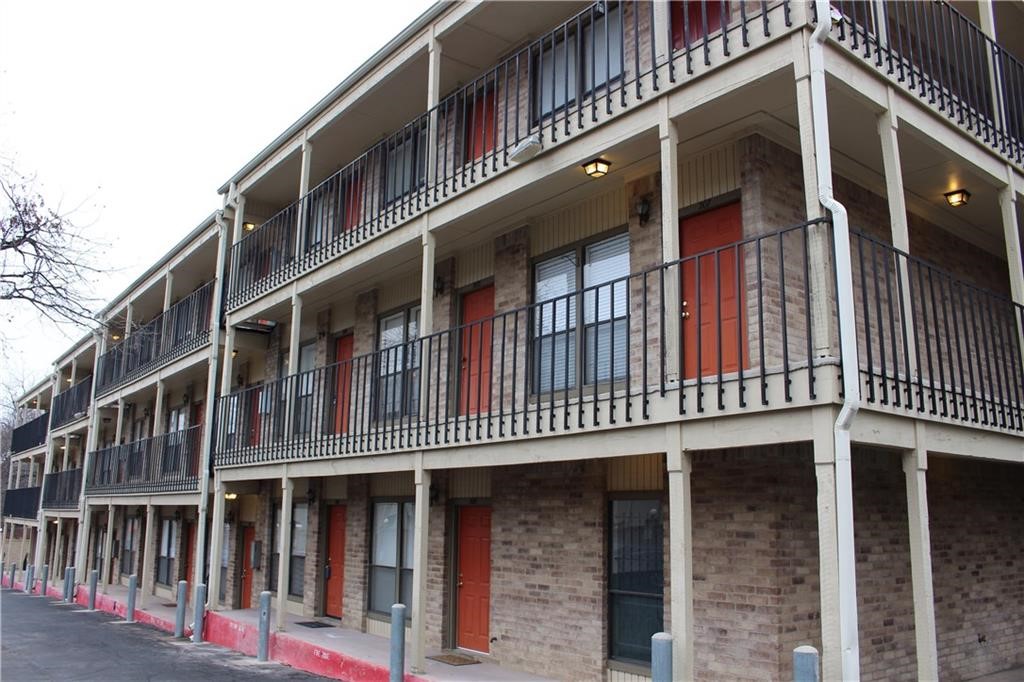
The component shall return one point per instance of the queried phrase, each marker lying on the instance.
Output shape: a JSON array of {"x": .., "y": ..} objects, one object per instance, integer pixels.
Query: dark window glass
[
  {"x": 391, "y": 555},
  {"x": 636, "y": 581}
]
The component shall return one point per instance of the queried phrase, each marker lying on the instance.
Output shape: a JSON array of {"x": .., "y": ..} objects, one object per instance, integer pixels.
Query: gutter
[{"x": 848, "y": 348}]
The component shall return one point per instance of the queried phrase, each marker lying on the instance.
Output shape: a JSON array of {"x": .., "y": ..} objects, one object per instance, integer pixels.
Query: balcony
[
  {"x": 22, "y": 503},
  {"x": 606, "y": 357},
  {"x": 182, "y": 328},
  {"x": 31, "y": 434},
  {"x": 62, "y": 489},
  {"x": 165, "y": 463},
  {"x": 72, "y": 404},
  {"x": 936, "y": 53},
  {"x": 537, "y": 98}
]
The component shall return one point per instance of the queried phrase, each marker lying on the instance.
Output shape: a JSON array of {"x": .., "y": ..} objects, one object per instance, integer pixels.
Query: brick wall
[
  {"x": 312, "y": 584},
  {"x": 885, "y": 597},
  {"x": 977, "y": 534},
  {"x": 357, "y": 553},
  {"x": 547, "y": 569}
]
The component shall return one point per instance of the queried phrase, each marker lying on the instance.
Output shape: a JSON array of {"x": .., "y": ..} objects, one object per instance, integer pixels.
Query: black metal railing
[
  {"x": 739, "y": 317},
  {"x": 165, "y": 463},
  {"x": 31, "y": 434},
  {"x": 182, "y": 328},
  {"x": 62, "y": 489},
  {"x": 936, "y": 52},
  {"x": 592, "y": 67},
  {"x": 22, "y": 503},
  {"x": 933, "y": 343},
  {"x": 72, "y": 404}
]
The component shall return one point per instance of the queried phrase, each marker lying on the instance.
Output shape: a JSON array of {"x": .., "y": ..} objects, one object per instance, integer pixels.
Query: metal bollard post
[
  {"x": 200, "y": 614},
  {"x": 661, "y": 657},
  {"x": 179, "y": 614},
  {"x": 263, "y": 646},
  {"x": 28, "y": 578},
  {"x": 94, "y": 579},
  {"x": 69, "y": 584},
  {"x": 805, "y": 664},
  {"x": 45, "y": 579},
  {"x": 129, "y": 616},
  {"x": 397, "y": 661}
]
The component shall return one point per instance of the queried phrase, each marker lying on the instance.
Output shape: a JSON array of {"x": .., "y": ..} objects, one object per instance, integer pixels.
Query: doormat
[
  {"x": 314, "y": 624},
  {"x": 454, "y": 659},
  {"x": 171, "y": 605}
]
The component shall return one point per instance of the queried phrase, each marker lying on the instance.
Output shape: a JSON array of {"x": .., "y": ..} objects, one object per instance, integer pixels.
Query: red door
[
  {"x": 475, "y": 366},
  {"x": 720, "y": 271},
  {"x": 474, "y": 586},
  {"x": 697, "y": 13},
  {"x": 352, "y": 200},
  {"x": 255, "y": 422},
  {"x": 248, "y": 538},
  {"x": 481, "y": 118},
  {"x": 335, "y": 588},
  {"x": 343, "y": 396}
]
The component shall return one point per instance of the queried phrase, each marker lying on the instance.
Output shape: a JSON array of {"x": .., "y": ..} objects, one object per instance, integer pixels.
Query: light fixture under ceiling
[
  {"x": 230, "y": 496},
  {"x": 958, "y": 197},
  {"x": 115, "y": 337},
  {"x": 597, "y": 168},
  {"x": 248, "y": 227}
]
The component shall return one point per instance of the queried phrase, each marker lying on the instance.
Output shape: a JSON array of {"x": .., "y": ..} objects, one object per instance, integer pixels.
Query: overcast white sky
[{"x": 137, "y": 112}]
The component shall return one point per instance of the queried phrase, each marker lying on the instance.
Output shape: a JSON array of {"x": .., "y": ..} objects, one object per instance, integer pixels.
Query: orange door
[
  {"x": 248, "y": 539},
  {"x": 714, "y": 294},
  {"x": 254, "y": 416},
  {"x": 335, "y": 588},
  {"x": 343, "y": 397},
  {"x": 480, "y": 113},
  {"x": 474, "y": 586},
  {"x": 352, "y": 200},
  {"x": 697, "y": 12},
  {"x": 475, "y": 366}
]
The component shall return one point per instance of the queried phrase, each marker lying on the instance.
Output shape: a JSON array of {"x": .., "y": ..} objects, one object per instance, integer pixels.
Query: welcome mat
[
  {"x": 313, "y": 624},
  {"x": 171, "y": 605},
  {"x": 454, "y": 659}
]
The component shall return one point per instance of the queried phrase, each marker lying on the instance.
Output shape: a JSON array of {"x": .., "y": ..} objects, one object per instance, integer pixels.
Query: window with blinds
[
  {"x": 398, "y": 364},
  {"x": 560, "y": 355}
]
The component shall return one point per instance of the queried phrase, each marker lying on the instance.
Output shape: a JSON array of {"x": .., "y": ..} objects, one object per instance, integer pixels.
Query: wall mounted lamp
[{"x": 958, "y": 197}]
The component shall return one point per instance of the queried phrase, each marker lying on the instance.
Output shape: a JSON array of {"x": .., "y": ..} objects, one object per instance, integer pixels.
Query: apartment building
[{"x": 567, "y": 323}]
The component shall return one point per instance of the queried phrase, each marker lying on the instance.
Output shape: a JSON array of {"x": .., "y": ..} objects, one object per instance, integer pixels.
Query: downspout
[
  {"x": 211, "y": 396},
  {"x": 847, "y": 344}
]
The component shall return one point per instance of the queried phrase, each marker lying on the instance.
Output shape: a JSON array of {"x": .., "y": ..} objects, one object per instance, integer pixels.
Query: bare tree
[{"x": 45, "y": 259}]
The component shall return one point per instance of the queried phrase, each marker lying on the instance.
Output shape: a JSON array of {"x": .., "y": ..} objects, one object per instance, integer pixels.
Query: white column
[
  {"x": 119, "y": 427},
  {"x": 828, "y": 544},
  {"x": 888, "y": 129},
  {"x": 168, "y": 289},
  {"x": 67, "y": 453},
  {"x": 295, "y": 334},
  {"x": 148, "y": 553},
  {"x": 129, "y": 313},
  {"x": 1011, "y": 235},
  {"x": 987, "y": 21},
  {"x": 58, "y": 550},
  {"x": 216, "y": 547},
  {"x": 10, "y": 474},
  {"x": 300, "y": 224},
  {"x": 238, "y": 229},
  {"x": 284, "y": 549},
  {"x": 662, "y": 13},
  {"x": 426, "y": 303},
  {"x": 17, "y": 477},
  {"x": 108, "y": 548},
  {"x": 680, "y": 524},
  {"x": 433, "y": 96},
  {"x": 915, "y": 466},
  {"x": 74, "y": 370},
  {"x": 421, "y": 531},
  {"x": 82, "y": 543},
  {"x": 668, "y": 135},
  {"x": 158, "y": 407},
  {"x": 40, "y": 518}
]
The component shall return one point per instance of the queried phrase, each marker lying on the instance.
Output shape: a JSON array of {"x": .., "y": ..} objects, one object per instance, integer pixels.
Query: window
[
  {"x": 566, "y": 68},
  {"x": 406, "y": 162},
  {"x": 304, "y": 397},
  {"x": 129, "y": 544},
  {"x": 391, "y": 555},
  {"x": 689, "y": 17},
  {"x": 224, "y": 553},
  {"x": 296, "y": 551},
  {"x": 174, "y": 440},
  {"x": 636, "y": 584},
  {"x": 169, "y": 529},
  {"x": 398, "y": 362},
  {"x": 558, "y": 314}
]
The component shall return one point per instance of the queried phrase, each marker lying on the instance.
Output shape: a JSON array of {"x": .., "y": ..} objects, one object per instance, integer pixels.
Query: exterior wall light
[
  {"x": 598, "y": 168},
  {"x": 115, "y": 337},
  {"x": 248, "y": 227},
  {"x": 958, "y": 197},
  {"x": 230, "y": 496}
]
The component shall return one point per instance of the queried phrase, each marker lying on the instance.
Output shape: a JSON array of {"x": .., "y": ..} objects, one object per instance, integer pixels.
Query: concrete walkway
[{"x": 333, "y": 651}]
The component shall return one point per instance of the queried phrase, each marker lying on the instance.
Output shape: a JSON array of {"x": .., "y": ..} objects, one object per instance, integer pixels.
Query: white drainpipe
[{"x": 847, "y": 344}]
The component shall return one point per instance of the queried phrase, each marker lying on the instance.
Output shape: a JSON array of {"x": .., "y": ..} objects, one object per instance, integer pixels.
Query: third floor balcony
[
  {"x": 180, "y": 329},
  {"x": 168, "y": 462},
  {"x": 31, "y": 434},
  {"x": 62, "y": 489},
  {"x": 72, "y": 404}
]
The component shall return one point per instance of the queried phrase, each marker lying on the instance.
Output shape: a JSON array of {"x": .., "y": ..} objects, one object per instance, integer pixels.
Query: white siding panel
[
  {"x": 643, "y": 472},
  {"x": 398, "y": 292},
  {"x": 708, "y": 174},
  {"x": 580, "y": 221},
  {"x": 474, "y": 265},
  {"x": 470, "y": 483}
]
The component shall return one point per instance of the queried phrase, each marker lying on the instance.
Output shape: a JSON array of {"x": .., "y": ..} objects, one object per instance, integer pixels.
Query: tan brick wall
[
  {"x": 357, "y": 553},
  {"x": 977, "y": 534}
]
